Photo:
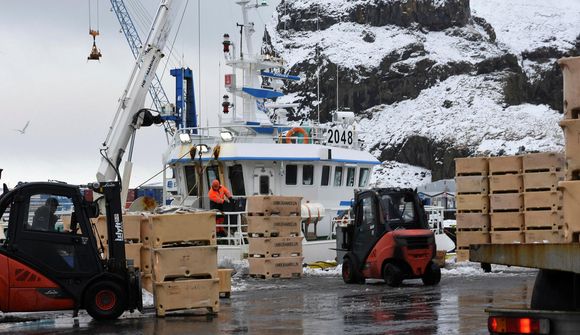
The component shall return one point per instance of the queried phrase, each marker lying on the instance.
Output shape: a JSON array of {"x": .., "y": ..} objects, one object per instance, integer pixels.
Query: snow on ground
[
  {"x": 395, "y": 174},
  {"x": 530, "y": 24},
  {"x": 476, "y": 119}
]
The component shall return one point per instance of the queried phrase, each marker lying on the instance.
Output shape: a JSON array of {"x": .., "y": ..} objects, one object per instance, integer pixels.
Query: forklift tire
[
  {"x": 432, "y": 275},
  {"x": 105, "y": 300},
  {"x": 349, "y": 272},
  {"x": 392, "y": 275}
]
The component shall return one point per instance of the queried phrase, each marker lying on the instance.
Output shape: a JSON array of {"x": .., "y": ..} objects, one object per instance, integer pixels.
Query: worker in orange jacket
[{"x": 218, "y": 195}]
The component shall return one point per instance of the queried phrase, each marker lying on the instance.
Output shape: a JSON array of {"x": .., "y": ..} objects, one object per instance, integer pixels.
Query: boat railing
[
  {"x": 235, "y": 230},
  {"x": 435, "y": 217}
]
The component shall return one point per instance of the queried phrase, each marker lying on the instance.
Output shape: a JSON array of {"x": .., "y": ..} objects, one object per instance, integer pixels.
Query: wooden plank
[
  {"x": 506, "y": 202},
  {"x": 466, "y": 238},
  {"x": 471, "y": 185},
  {"x": 545, "y": 200},
  {"x": 507, "y": 221},
  {"x": 505, "y": 164},
  {"x": 270, "y": 204},
  {"x": 187, "y": 295},
  {"x": 170, "y": 229},
  {"x": 275, "y": 247},
  {"x": 279, "y": 267},
  {"x": 507, "y": 237},
  {"x": 471, "y": 166},
  {"x": 508, "y": 183},
  {"x": 472, "y": 221},
  {"x": 543, "y": 162}
]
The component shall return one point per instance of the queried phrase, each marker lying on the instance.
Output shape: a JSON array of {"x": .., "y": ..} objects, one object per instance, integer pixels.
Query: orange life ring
[{"x": 297, "y": 130}]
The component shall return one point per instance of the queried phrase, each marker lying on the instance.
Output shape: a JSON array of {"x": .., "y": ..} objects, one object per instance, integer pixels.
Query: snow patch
[{"x": 395, "y": 174}]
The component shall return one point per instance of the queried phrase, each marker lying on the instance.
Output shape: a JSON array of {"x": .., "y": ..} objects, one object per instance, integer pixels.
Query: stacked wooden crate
[
  {"x": 542, "y": 199},
  {"x": 472, "y": 204},
  {"x": 571, "y": 126},
  {"x": 132, "y": 235},
  {"x": 506, "y": 199},
  {"x": 275, "y": 243},
  {"x": 179, "y": 259}
]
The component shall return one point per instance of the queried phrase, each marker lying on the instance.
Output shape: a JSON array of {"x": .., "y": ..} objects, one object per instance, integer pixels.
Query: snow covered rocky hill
[{"x": 432, "y": 80}]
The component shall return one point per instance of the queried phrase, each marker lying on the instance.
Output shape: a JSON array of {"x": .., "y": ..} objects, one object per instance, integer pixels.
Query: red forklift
[
  {"x": 46, "y": 268},
  {"x": 389, "y": 239}
]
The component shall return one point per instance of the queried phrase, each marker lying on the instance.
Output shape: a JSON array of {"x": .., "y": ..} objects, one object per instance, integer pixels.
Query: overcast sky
[{"x": 45, "y": 78}]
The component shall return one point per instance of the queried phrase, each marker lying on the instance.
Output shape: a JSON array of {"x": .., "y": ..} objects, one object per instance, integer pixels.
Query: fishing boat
[{"x": 255, "y": 150}]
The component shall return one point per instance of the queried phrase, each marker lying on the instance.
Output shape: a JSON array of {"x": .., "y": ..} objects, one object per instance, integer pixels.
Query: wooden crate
[
  {"x": 170, "y": 229},
  {"x": 274, "y": 226},
  {"x": 270, "y": 204},
  {"x": 466, "y": 238},
  {"x": 507, "y": 221},
  {"x": 131, "y": 227},
  {"x": 132, "y": 251},
  {"x": 439, "y": 259},
  {"x": 544, "y": 220},
  {"x": 542, "y": 181},
  {"x": 571, "y": 199},
  {"x": 571, "y": 130},
  {"x": 507, "y": 237},
  {"x": 544, "y": 236},
  {"x": 571, "y": 71},
  {"x": 545, "y": 200},
  {"x": 225, "y": 278},
  {"x": 472, "y": 221},
  {"x": 187, "y": 262},
  {"x": 470, "y": 166},
  {"x": 543, "y": 162},
  {"x": 506, "y": 202},
  {"x": 147, "y": 260},
  {"x": 472, "y": 203},
  {"x": 505, "y": 164},
  {"x": 508, "y": 183},
  {"x": 186, "y": 295},
  {"x": 462, "y": 255},
  {"x": 471, "y": 185},
  {"x": 279, "y": 267},
  {"x": 275, "y": 247}
]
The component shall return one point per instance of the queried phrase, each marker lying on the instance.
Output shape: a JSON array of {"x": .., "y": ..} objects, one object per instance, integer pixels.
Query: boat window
[
  {"x": 308, "y": 175},
  {"x": 212, "y": 174},
  {"x": 190, "y": 179},
  {"x": 325, "y": 175},
  {"x": 291, "y": 174},
  {"x": 363, "y": 178},
  {"x": 264, "y": 185},
  {"x": 236, "y": 176},
  {"x": 350, "y": 176},
  {"x": 338, "y": 176}
]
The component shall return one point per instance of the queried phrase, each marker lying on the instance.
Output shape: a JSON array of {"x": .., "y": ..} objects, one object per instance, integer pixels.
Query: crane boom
[
  {"x": 156, "y": 91},
  {"x": 126, "y": 120}
]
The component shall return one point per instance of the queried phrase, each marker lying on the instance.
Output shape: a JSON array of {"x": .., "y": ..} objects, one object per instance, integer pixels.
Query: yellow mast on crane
[{"x": 95, "y": 52}]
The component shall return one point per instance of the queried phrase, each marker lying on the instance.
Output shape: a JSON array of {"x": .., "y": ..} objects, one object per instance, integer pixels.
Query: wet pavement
[{"x": 319, "y": 304}]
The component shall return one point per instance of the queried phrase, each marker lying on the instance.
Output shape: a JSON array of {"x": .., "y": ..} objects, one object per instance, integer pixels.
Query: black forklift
[{"x": 45, "y": 266}]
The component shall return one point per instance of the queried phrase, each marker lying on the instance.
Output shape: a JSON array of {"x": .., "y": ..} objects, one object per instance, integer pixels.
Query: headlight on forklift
[{"x": 517, "y": 325}]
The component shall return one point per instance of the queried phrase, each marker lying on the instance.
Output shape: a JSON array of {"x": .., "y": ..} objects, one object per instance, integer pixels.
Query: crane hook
[{"x": 95, "y": 52}]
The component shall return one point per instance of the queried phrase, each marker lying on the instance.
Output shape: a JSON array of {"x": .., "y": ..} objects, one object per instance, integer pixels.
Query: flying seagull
[{"x": 23, "y": 130}]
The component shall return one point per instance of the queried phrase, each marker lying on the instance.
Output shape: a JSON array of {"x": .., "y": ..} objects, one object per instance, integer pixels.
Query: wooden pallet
[
  {"x": 273, "y": 226},
  {"x": 471, "y": 185},
  {"x": 543, "y": 162},
  {"x": 273, "y": 205},
  {"x": 275, "y": 247},
  {"x": 507, "y": 221},
  {"x": 471, "y": 166},
  {"x": 188, "y": 262},
  {"x": 279, "y": 267},
  {"x": 507, "y": 183},
  {"x": 473, "y": 221},
  {"x": 508, "y": 202},
  {"x": 180, "y": 295},
  {"x": 170, "y": 230},
  {"x": 505, "y": 165},
  {"x": 542, "y": 201}
]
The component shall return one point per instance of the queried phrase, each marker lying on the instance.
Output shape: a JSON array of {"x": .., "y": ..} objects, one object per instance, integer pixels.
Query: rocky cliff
[{"x": 431, "y": 80}]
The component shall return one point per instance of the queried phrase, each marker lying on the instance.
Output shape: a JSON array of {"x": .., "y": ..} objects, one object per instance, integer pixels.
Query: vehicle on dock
[{"x": 388, "y": 238}]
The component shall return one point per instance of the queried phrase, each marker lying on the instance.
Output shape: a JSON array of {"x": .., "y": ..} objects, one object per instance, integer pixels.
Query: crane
[{"x": 129, "y": 30}]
